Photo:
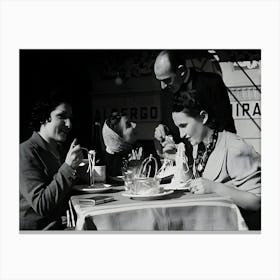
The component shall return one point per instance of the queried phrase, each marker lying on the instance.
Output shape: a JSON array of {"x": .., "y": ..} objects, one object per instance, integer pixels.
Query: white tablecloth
[{"x": 180, "y": 211}]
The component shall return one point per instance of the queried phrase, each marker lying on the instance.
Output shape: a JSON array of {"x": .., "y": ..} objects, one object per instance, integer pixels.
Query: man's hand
[
  {"x": 164, "y": 143},
  {"x": 169, "y": 145},
  {"x": 74, "y": 155},
  {"x": 161, "y": 132}
]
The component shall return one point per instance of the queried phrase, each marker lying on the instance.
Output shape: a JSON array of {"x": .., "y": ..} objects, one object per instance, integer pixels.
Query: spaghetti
[{"x": 91, "y": 165}]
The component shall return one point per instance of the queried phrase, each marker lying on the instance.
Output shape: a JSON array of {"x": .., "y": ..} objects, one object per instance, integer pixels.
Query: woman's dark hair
[
  {"x": 193, "y": 102},
  {"x": 42, "y": 109},
  {"x": 114, "y": 120}
]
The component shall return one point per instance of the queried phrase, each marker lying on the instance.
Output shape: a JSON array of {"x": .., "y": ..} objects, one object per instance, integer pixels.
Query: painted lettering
[
  {"x": 257, "y": 110},
  {"x": 153, "y": 113},
  {"x": 133, "y": 114},
  {"x": 245, "y": 107},
  {"x": 143, "y": 113}
]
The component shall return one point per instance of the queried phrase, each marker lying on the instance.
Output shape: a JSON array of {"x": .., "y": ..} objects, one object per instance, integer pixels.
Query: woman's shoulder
[
  {"x": 232, "y": 137},
  {"x": 30, "y": 146},
  {"x": 235, "y": 144},
  {"x": 26, "y": 146}
]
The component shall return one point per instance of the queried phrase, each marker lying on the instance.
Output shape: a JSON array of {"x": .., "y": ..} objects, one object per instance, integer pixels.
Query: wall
[
  {"x": 250, "y": 99},
  {"x": 144, "y": 101},
  {"x": 141, "y": 97},
  {"x": 138, "y": 97}
]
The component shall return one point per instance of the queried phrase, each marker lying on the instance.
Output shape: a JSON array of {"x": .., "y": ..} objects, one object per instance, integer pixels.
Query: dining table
[{"x": 178, "y": 210}]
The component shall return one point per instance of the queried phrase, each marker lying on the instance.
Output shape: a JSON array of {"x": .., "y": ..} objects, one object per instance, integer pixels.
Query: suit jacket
[
  {"x": 211, "y": 87},
  {"x": 44, "y": 185},
  {"x": 235, "y": 163}
]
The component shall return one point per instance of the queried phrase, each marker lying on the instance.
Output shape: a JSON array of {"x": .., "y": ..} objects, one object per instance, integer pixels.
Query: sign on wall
[
  {"x": 143, "y": 113},
  {"x": 250, "y": 102},
  {"x": 239, "y": 111},
  {"x": 141, "y": 108}
]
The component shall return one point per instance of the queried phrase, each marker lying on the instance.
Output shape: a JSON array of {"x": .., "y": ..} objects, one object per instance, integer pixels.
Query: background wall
[
  {"x": 250, "y": 99},
  {"x": 42, "y": 71},
  {"x": 100, "y": 81},
  {"x": 138, "y": 97}
]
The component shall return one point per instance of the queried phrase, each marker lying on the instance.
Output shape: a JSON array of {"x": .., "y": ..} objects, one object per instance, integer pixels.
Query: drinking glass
[
  {"x": 128, "y": 180},
  {"x": 91, "y": 179}
]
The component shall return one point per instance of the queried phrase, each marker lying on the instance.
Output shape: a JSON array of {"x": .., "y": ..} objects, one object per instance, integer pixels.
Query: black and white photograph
[{"x": 140, "y": 140}]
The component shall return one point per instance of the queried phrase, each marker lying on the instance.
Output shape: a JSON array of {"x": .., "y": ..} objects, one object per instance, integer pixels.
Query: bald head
[
  {"x": 162, "y": 64},
  {"x": 169, "y": 71}
]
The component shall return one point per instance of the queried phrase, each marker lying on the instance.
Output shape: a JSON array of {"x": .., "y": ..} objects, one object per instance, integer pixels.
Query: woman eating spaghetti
[
  {"x": 47, "y": 173},
  {"x": 228, "y": 166},
  {"x": 119, "y": 135}
]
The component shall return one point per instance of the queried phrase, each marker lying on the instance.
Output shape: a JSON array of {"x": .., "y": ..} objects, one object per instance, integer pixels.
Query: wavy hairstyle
[
  {"x": 193, "y": 102},
  {"x": 42, "y": 109}
]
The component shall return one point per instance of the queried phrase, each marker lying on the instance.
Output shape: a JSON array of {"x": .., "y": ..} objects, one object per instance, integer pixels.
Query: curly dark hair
[
  {"x": 42, "y": 109},
  {"x": 193, "y": 102},
  {"x": 114, "y": 120}
]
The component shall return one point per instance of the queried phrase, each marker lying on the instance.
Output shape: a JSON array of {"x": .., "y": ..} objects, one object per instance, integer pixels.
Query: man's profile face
[{"x": 168, "y": 78}]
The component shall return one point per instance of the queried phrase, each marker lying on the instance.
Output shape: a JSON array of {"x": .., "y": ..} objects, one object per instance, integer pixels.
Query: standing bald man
[{"x": 170, "y": 69}]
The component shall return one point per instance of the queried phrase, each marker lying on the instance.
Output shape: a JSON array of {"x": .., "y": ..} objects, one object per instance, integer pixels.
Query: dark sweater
[{"x": 44, "y": 186}]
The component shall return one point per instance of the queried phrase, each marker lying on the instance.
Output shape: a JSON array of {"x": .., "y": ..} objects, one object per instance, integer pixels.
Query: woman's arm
[
  {"x": 244, "y": 199},
  {"x": 240, "y": 174}
]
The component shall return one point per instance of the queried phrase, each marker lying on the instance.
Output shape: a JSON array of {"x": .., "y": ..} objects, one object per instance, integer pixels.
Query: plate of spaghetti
[{"x": 96, "y": 188}]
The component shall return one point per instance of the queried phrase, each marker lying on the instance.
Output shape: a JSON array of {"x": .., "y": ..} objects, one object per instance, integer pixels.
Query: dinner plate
[
  {"x": 181, "y": 186},
  {"x": 98, "y": 188},
  {"x": 149, "y": 196}
]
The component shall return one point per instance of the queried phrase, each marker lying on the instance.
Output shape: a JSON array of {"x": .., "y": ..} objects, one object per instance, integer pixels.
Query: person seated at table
[
  {"x": 47, "y": 172},
  {"x": 119, "y": 134},
  {"x": 229, "y": 166}
]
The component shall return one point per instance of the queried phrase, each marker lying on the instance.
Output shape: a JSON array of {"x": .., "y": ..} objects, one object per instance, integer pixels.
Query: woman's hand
[
  {"x": 130, "y": 134},
  {"x": 74, "y": 155},
  {"x": 243, "y": 199},
  {"x": 202, "y": 186}
]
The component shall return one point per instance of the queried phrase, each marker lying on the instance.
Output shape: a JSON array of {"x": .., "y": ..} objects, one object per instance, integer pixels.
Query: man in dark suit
[{"x": 175, "y": 77}]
